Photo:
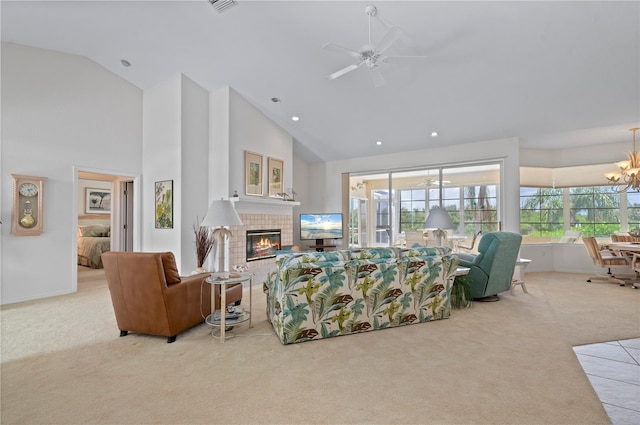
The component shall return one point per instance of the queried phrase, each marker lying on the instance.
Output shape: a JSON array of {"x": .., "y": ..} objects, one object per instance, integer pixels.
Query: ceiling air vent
[{"x": 222, "y": 5}]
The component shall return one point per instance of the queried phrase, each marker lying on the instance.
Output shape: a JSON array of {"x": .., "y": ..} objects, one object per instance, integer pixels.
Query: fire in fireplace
[{"x": 262, "y": 244}]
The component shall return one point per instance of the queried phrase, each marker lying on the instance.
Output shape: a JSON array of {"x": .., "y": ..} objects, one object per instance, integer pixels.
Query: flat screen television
[{"x": 320, "y": 226}]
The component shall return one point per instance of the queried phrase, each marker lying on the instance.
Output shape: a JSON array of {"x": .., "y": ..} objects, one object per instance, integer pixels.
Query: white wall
[
  {"x": 176, "y": 147},
  {"x": 195, "y": 168},
  {"x": 587, "y": 155},
  {"x": 219, "y": 145},
  {"x": 59, "y": 111},
  {"x": 161, "y": 151},
  {"x": 305, "y": 192},
  {"x": 250, "y": 129}
]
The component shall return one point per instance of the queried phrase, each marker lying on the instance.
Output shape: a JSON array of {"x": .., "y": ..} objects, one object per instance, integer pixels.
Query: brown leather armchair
[{"x": 149, "y": 295}]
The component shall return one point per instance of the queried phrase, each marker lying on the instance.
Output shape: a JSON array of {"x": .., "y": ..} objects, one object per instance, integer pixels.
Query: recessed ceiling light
[
  {"x": 379, "y": 142},
  {"x": 275, "y": 100},
  {"x": 125, "y": 63},
  {"x": 295, "y": 118},
  {"x": 434, "y": 134}
]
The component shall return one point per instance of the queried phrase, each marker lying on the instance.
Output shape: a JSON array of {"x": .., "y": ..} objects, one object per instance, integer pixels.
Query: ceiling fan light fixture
[
  {"x": 222, "y": 5},
  {"x": 372, "y": 55},
  {"x": 379, "y": 142},
  {"x": 434, "y": 134},
  {"x": 295, "y": 118}
]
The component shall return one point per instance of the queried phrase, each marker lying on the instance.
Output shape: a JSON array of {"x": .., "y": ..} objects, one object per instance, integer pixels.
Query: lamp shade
[
  {"x": 438, "y": 218},
  {"x": 221, "y": 213}
]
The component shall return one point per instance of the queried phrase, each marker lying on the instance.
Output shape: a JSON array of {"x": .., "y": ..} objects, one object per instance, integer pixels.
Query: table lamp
[
  {"x": 439, "y": 219},
  {"x": 220, "y": 214}
]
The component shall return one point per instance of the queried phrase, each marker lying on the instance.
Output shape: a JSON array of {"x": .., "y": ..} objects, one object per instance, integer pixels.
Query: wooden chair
[
  {"x": 617, "y": 237},
  {"x": 473, "y": 241},
  {"x": 635, "y": 266},
  {"x": 604, "y": 260}
]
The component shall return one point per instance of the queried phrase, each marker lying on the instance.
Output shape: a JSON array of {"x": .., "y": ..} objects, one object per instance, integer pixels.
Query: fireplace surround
[{"x": 256, "y": 214}]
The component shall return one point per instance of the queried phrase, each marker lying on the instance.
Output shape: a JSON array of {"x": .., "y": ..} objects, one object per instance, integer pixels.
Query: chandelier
[{"x": 627, "y": 178}]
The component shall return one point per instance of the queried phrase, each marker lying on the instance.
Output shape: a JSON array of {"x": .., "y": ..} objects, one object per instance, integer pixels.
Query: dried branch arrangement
[{"x": 204, "y": 242}]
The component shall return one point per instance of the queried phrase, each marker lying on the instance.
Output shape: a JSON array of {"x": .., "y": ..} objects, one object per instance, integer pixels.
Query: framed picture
[
  {"x": 97, "y": 201},
  {"x": 253, "y": 173},
  {"x": 274, "y": 172},
  {"x": 164, "y": 204}
]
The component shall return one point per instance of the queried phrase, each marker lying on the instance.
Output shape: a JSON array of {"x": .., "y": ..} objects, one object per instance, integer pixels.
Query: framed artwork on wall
[
  {"x": 97, "y": 201},
  {"x": 164, "y": 204},
  {"x": 253, "y": 173},
  {"x": 274, "y": 171}
]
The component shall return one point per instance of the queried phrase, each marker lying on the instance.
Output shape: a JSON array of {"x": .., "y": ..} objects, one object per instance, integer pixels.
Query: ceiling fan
[
  {"x": 370, "y": 55},
  {"x": 427, "y": 182}
]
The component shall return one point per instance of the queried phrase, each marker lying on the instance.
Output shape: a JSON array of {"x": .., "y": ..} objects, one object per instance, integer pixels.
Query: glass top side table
[{"x": 224, "y": 279}]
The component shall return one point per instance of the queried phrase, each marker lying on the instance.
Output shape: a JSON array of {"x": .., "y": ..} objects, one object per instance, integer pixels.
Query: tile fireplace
[{"x": 257, "y": 215}]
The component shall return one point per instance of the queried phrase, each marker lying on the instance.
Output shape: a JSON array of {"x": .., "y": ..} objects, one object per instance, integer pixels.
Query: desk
[{"x": 522, "y": 264}]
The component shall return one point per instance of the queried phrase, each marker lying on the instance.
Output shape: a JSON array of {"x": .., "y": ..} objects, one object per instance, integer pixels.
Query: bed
[{"x": 93, "y": 240}]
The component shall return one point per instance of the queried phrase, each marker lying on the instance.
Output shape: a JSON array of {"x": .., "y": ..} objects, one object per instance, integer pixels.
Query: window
[
  {"x": 541, "y": 212},
  {"x": 546, "y": 213},
  {"x": 480, "y": 208},
  {"x": 595, "y": 211},
  {"x": 383, "y": 217},
  {"x": 412, "y": 209},
  {"x": 633, "y": 209}
]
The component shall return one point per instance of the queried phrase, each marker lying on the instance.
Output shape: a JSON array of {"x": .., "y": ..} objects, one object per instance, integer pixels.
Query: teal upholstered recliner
[{"x": 492, "y": 268}]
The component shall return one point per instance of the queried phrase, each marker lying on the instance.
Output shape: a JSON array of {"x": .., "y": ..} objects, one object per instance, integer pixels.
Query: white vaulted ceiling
[{"x": 553, "y": 74}]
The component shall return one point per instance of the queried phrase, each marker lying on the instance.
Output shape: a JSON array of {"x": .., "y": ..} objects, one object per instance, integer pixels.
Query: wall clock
[{"x": 28, "y": 205}]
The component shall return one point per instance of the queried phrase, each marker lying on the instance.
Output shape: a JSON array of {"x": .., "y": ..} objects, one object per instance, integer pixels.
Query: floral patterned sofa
[{"x": 314, "y": 295}]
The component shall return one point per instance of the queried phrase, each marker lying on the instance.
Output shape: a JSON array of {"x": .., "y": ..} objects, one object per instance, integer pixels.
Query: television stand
[{"x": 320, "y": 246}]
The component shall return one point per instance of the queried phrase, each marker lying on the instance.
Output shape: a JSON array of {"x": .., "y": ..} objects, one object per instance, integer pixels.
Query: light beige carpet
[{"x": 508, "y": 362}]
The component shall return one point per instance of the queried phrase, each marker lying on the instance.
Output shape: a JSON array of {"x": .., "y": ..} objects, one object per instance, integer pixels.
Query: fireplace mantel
[{"x": 263, "y": 205}]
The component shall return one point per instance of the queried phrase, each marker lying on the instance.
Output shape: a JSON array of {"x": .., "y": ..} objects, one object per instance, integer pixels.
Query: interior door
[{"x": 127, "y": 215}]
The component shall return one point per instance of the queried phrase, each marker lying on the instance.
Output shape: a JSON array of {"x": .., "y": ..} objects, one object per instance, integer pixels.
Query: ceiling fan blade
[
  {"x": 332, "y": 47},
  {"x": 403, "y": 59},
  {"x": 376, "y": 76},
  {"x": 342, "y": 71},
  {"x": 390, "y": 37}
]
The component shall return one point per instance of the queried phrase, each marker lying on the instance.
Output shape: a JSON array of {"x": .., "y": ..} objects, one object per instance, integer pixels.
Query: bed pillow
[{"x": 94, "y": 231}]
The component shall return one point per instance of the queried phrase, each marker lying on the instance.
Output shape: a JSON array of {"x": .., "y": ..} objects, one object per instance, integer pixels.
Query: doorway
[{"x": 104, "y": 218}]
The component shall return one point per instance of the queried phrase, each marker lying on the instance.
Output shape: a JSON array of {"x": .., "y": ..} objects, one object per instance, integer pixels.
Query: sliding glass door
[{"x": 399, "y": 202}]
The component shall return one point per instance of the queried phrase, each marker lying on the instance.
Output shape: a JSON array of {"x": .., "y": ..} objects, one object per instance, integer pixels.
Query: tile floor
[{"x": 614, "y": 371}]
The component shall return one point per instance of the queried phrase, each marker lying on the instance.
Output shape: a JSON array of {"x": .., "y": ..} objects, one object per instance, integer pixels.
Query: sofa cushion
[
  {"x": 290, "y": 259},
  {"x": 372, "y": 261},
  {"x": 422, "y": 251},
  {"x": 318, "y": 264},
  {"x": 371, "y": 253},
  {"x": 171, "y": 273}
]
